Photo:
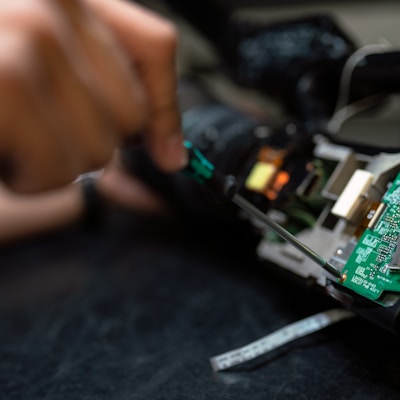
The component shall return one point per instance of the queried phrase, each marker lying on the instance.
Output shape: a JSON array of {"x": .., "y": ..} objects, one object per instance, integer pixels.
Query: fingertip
[{"x": 170, "y": 155}]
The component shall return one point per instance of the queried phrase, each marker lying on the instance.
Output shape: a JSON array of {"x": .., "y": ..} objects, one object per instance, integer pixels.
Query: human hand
[
  {"x": 24, "y": 215},
  {"x": 122, "y": 188},
  {"x": 75, "y": 77}
]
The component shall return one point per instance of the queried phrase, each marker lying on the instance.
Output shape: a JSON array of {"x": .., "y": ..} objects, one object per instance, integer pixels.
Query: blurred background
[{"x": 365, "y": 23}]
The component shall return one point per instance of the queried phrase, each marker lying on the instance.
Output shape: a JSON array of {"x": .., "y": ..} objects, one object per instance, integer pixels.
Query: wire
[
  {"x": 279, "y": 338},
  {"x": 348, "y": 111},
  {"x": 343, "y": 110},
  {"x": 349, "y": 67}
]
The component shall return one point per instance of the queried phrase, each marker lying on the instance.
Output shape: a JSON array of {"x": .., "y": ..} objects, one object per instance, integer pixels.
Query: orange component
[
  {"x": 272, "y": 156},
  {"x": 270, "y": 195},
  {"x": 282, "y": 178}
]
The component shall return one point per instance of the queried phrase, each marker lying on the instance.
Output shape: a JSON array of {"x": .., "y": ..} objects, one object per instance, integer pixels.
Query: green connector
[{"x": 198, "y": 168}]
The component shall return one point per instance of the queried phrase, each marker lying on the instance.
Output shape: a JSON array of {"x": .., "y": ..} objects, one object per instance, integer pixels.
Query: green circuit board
[{"x": 374, "y": 265}]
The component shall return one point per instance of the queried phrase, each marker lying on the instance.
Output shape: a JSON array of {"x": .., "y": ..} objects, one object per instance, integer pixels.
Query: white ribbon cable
[{"x": 278, "y": 338}]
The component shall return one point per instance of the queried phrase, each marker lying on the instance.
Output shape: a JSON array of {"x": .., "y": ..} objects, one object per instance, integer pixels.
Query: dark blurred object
[
  {"x": 377, "y": 73},
  {"x": 300, "y": 62},
  {"x": 277, "y": 58}
]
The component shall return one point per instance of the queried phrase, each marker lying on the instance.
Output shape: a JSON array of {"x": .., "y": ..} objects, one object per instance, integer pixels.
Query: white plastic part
[{"x": 351, "y": 197}]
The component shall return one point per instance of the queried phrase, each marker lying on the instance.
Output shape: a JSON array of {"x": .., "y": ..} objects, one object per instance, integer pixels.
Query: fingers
[
  {"x": 152, "y": 43},
  {"x": 107, "y": 68},
  {"x": 31, "y": 148},
  {"x": 77, "y": 89},
  {"x": 126, "y": 190},
  {"x": 67, "y": 93}
]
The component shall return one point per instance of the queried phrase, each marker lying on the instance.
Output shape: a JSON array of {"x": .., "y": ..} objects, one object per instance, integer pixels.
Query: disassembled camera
[
  {"x": 346, "y": 206},
  {"x": 341, "y": 203},
  {"x": 341, "y": 200}
]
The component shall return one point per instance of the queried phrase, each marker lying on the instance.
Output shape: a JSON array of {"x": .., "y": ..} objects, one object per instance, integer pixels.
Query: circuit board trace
[{"x": 374, "y": 265}]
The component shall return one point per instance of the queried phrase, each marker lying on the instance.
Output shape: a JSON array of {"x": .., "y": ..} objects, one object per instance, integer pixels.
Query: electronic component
[
  {"x": 267, "y": 176},
  {"x": 351, "y": 198},
  {"x": 372, "y": 267},
  {"x": 260, "y": 176}
]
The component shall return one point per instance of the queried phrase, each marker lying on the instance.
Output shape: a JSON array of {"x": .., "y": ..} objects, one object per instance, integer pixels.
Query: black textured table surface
[{"x": 136, "y": 310}]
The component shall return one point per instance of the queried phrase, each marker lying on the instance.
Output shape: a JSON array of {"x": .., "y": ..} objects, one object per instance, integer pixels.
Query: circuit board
[{"x": 374, "y": 265}]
